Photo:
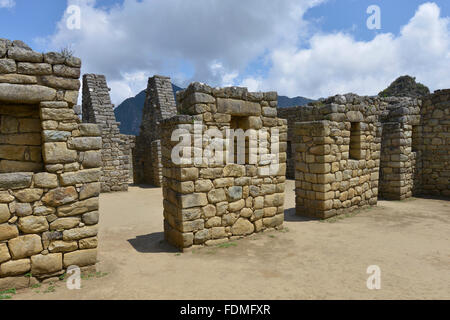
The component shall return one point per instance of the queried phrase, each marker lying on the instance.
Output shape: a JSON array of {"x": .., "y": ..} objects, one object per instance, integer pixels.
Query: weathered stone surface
[
  {"x": 82, "y": 176},
  {"x": 88, "y": 243},
  {"x": 60, "y": 196},
  {"x": 13, "y": 78},
  {"x": 24, "y": 54},
  {"x": 92, "y": 159},
  {"x": 273, "y": 222},
  {"x": 234, "y": 193},
  {"x": 242, "y": 227},
  {"x": 91, "y": 218},
  {"x": 57, "y": 114},
  {"x": 61, "y": 83},
  {"x": 62, "y": 246},
  {"x": 34, "y": 68},
  {"x": 43, "y": 211},
  {"x": 23, "y": 209},
  {"x": 55, "y": 136},
  {"x": 86, "y": 143},
  {"x": 193, "y": 200},
  {"x": 18, "y": 93},
  {"x": 65, "y": 71},
  {"x": 64, "y": 224},
  {"x": 33, "y": 224},
  {"x": 15, "y": 180},
  {"x": 234, "y": 170},
  {"x": 57, "y": 152},
  {"x": 73, "y": 62},
  {"x": 90, "y": 190},
  {"x": 15, "y": 268},
  {"x": 45, "y": 180},
  {"x": 7, "y": 66},
  {"x": 4, "y": 253},
  {"x": 238, "y": 107},
  {"x": 80, "y": 233},
  {"x": 78, "y": 208},
  {"x": 5, "y": 197},
  {"x": 90, "y": 130},
  {"x": 8, "y": 231},
  {"x": 217, "y": 195},
  {"x": 46, "y": 264},
  {"x": 80, "y": 258},
  {"x": 25, "y": 246},
  {"x": 29, "y": 195},
  {"x": 5, "y": 215}
]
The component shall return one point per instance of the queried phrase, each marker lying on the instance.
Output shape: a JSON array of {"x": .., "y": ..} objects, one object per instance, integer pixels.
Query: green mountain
[
  {"x": 129, "y": 112},
  {"x": 405, "y": 86}
]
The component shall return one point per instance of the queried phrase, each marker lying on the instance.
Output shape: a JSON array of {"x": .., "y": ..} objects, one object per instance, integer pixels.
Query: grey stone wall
[
  {"x": 116, "y": 154},
  {"x": 435, "y": 147},
  {"x": 159, "y": 104}
]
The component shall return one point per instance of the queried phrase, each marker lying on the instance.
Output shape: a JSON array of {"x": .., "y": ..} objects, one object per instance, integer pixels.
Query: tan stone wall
[
  {"x": 328, "y": 180},
  {"x": 48, "y": 219},
  {"x": 208, "y": 203}
]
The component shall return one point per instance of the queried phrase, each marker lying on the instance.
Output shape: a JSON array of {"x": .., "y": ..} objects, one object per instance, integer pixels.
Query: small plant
[
  {"x": 62, "y": 277},
  {"x": 67, "y": 52},
  {"x": 29, "y": 275},
  {"x": 7, "y": 294},
  {"x": 50, "y": 289},
  {"x": 36, "y": 285},
  {"x": 227, "y": 245}
]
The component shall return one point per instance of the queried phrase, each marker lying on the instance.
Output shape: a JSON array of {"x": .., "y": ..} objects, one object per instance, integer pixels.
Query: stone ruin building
[
  {"x": 49, "y": 185},
  {"x": 115, "y": 157},
  {"x": 159, "y": 105},
  {"x": 209, "y": 199},
  {"x": 346, "y": 151}
]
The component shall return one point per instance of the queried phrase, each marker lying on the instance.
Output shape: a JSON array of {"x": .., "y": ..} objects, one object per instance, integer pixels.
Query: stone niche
[
  {"x": 209, "y": 199},
  {"x": 48, "y": 195}
]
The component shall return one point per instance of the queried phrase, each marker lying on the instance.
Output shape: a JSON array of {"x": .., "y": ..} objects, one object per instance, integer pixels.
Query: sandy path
[{"x": 409, "y": 240}]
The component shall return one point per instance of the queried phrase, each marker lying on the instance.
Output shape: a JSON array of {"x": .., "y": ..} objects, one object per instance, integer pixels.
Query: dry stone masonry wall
[
  {"x": 337, "y": 156},
  {"x": 159, "y": 104},
  {"x": 115, "y": 157},
  {"x": 209, "y": 202},
  {"x": 49, "y": 195},
  {"x": 435, "y": 144}
]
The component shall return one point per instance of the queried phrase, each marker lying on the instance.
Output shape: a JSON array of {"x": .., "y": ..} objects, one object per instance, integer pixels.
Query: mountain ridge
[{"x": 129, "y": 112}]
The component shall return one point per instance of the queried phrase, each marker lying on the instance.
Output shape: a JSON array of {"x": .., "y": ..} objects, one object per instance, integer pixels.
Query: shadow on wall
[
  {"x": 289, "y": 215},
  {"x": 152, "y": 243}
]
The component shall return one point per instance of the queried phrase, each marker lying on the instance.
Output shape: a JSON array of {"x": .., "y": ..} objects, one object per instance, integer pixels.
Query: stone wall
[
  {"x": 337, "y": 157},
  {"x": 48, "y": 219},
  {"x": 116, "y": 154},
  {"x": 211, "y": 199},
  {"x": 159, "y": 105},
  {"x": 435, "y": 147},
  {"x": 401, "y": 166}
]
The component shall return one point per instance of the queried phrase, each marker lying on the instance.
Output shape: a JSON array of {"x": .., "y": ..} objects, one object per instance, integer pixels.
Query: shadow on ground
[
  {"x": 290, "y": 215},
  {"x": 143, "y": 186},
  {"x": 152, "y": 243}
]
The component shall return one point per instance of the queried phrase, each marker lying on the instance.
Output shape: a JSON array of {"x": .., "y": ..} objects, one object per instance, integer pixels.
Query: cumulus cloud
[
  {"x": 202, "y": 40},
  {"x": 337, "y": 63},
  {"x": 218, "y": 42},
  {"x": 7, "y": 3}
]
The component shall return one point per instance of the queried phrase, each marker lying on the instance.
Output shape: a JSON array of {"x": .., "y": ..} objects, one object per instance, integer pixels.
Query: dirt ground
[{"x": 310, "y": 259}]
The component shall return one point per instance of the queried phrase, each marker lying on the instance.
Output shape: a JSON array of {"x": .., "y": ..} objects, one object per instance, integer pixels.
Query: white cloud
[
  {"x": 337, "y": 63},
  {"x": 214, "y": 41},
  {"x": 7, "y": 3},
  {"x": 172, "y": 35}
]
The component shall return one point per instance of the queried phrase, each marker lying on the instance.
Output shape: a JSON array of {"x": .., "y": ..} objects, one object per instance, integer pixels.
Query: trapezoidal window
[
  {"x": 355, "y": 152},
  {"x": 20, "y": 138}
]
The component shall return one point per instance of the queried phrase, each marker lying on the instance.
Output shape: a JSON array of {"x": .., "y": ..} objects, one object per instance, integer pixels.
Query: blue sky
[{"x": 312, "y": 48}]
